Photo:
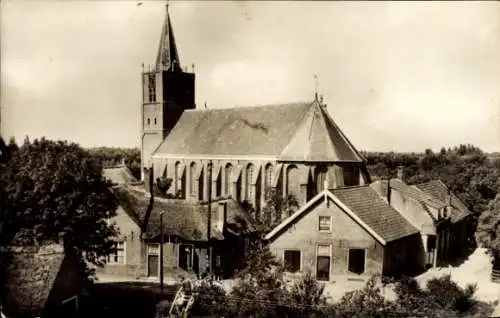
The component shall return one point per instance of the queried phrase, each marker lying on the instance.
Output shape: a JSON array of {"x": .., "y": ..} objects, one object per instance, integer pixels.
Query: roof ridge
[
  {"x": 351, "y": 187},
  {"x": 301, "y": 103}
]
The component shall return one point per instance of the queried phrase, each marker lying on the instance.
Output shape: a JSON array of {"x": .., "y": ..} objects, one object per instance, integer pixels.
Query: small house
[{"x": 348, "y": 231}]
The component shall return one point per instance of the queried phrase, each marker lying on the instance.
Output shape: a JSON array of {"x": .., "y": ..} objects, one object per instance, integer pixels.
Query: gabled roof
[
  {"x": 187, "y": 220},
  {"x": 366, "y": 208},
  {"x": 30, "y": 273},
  {"x": 168, "y": 57},
  {"x": 440, "y": 191},
  {"x": 414, "y": 193},
  {"x": 290, "y": 132},
  {"x": 119, "y": 175}
]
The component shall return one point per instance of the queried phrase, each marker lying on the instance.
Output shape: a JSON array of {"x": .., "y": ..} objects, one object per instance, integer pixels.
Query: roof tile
[{"x": 375, "y": 212}]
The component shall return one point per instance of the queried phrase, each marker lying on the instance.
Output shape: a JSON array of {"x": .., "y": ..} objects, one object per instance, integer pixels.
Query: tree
[
  {"x": 261, "y": 294},
  {"x": 488, "y": 230},
  {"x": 306, "y": 294},
  {"x": 52, "y": 190}
]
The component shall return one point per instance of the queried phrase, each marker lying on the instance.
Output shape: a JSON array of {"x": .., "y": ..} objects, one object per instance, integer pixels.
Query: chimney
[
  {"x": 389, "y": 190},
  {"x": 400, "y": 173}
]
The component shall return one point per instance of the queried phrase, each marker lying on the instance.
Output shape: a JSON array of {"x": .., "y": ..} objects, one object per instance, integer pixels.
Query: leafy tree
[
  {"x": 488, "y": 230},
  {"x": 306, "y": 294},
  {"x": 211, "y": 300},
  {"x": 109, "y": 156},
  {"x": 258, "y": 259},
  {"x": 263, "y": 294},
  {"x": 366, "y": 302},
  {"x": 52, "y": 190}
]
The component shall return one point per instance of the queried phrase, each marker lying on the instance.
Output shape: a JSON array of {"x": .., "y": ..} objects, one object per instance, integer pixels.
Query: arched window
[
  {"x": 268, "y": 179},
  {"x": 149, "y": 121},
  {"x": 320, "y": 177},
  {"x": 155, "y": 120},
  {"x": 227, "y": 178},
  {"x": 192, "y": 178},
  {"x": 249, "y": 193},
  {"x": 177, "y": 177},
  {"x": 292, "y": 181}
]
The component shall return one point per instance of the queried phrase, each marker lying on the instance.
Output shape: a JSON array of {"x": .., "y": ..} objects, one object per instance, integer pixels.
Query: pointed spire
[{"x": 167, "y": 58}]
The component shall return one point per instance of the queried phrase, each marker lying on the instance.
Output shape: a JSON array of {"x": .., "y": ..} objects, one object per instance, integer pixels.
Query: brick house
[
  {"x": 438, "y": 214},
  {"x": 185, "y": 235},
  {"x": 348, "y": 231},
  {"x": 38, "y": 281}
]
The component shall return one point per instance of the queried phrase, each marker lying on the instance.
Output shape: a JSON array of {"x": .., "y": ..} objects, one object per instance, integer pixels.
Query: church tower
[{"x": 167, "y": 91}]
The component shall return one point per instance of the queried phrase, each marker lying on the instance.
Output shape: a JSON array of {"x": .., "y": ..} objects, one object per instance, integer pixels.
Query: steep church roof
[
  {"x": 168, "y": 57},
  {"x": 290, "y": 132}
]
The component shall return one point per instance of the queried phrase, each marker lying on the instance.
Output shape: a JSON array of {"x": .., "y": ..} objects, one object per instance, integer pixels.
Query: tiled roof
[
  {"x": 382, "y": 218},
  {"x": 187, "y": 220},
  {"x": 29, "y": 275},
  {"x": 119, "y": 175},
  {"x": 366, "y": 207},
  {"x": 440, "y": 191},
  {"x": 414, "y": 193},
  {"x": 300, "y": 131}
]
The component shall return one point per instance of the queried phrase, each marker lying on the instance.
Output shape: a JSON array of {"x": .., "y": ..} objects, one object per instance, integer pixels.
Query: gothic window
[
  {"x": 292, "y": 181},
  {"x": 192, "y": 178},
  {"x": 351, "y": 176},
  {"x": 249, "y": 193},
  {"x": 152, "y": 88},
  {"x": 320, "y": 176},
  {"x": 177, "y": 177},
  {"x": 227, "y": 178},
  {"x": 268, "y": 177}
]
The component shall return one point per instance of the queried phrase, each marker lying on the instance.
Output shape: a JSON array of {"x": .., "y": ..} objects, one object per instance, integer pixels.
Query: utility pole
[
  {"x": 209, "y": 217},
  {"x": 161, "y": 251}
]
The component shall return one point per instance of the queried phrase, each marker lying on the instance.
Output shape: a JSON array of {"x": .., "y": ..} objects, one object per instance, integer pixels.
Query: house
[
  {"x": 347, "y": 231},
  {"x": 186, "y": 244},
  {"x": 38, "y": 281},
  {"x": 438, "y": 214},
  {"x": 292, "y": 147}
]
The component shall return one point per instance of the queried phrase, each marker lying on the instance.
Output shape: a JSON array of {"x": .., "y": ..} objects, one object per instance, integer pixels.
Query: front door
[
  {"x": 153, "y": 267},
  {"x": 323, "y": 260}
]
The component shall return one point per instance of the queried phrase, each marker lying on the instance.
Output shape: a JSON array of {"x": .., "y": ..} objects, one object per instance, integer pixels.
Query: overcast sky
[{"x": 396, "y": 75}]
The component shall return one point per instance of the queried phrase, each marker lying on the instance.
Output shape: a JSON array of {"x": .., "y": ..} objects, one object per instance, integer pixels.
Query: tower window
[
  {"x": 149, "y": 121},
  {"x": 152, "y": 88},
  {"x": 155, "y": 121}
]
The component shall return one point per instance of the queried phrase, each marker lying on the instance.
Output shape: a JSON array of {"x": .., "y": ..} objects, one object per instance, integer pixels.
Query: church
[
  {"x": 202, "y": 168},
  {"x": 293, "y": 148}
]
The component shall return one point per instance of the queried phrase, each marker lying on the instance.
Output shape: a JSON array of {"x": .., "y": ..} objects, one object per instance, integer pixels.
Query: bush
[{"x": 211, "y": 300}]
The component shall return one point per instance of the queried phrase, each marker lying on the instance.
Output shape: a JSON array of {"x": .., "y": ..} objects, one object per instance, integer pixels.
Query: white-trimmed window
[
  {"x": 325, "y": 223},
  {"x": 292, "y": 260},
  {"x": 118, "y": 255}
]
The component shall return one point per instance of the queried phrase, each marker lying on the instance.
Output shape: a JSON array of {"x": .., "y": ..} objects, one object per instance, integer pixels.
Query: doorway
[
  {"x": 323, "y": 262},
  {"x": 153, "y": 260},
  {"x": 186, "y": 257},
  {"x": 356, "y": 262}
]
